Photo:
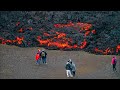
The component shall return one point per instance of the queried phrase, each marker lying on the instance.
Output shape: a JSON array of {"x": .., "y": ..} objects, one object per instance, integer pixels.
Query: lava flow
[
  {"x": 18, "y": 40},
  {"x": 59, "y": 39},
  {"x": 62, "y": 42}
]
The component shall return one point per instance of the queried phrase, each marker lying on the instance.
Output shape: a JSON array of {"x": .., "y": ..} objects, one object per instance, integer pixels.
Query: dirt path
[{"x": 19, "y": 63}]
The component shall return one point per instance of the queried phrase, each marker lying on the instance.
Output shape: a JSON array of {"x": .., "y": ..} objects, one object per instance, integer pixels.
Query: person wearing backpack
[
  {"x": 113, "y": 63},
  {"x": 68, "y": 69},
  {"x": 43, "y": 55}
]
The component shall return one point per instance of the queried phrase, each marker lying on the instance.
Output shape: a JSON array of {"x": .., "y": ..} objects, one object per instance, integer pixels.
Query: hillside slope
[{"x": 97, "y": 32}]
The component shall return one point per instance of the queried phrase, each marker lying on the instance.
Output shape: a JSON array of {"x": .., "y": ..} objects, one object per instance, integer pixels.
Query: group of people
[
  {"x": 70, "y": 68},
  {"x": 41, "y": 55}
]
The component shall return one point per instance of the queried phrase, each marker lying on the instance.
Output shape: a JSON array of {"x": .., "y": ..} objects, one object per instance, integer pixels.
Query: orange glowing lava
[
  {"x": 106, "y": 51},
  {"x": 118, "y": 48},
  {"x": 46, "y": 34},
  {"x": 18, "y": 40},
  {"x": 21, "y": 30},
  {"x": 58, "y": 39}
]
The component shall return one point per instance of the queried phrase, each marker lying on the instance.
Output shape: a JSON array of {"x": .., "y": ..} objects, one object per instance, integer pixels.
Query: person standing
[
  {"x": 43, "y": 55},
  {"x": 37, "y": 57},
  {"x": 39, "y": 51},
  {"x": 113, "y": 63},
  {"x": 68, "y": 69},
  {"x": 73, "y": 68}
]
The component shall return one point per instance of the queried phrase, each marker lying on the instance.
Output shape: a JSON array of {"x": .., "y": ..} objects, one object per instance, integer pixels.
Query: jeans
[
  {"x": 38, "y": 61},
  {"x": 44, "y": 60},
  {"x": 73, "y": 72},
  {"x": 114, "y": 67}
]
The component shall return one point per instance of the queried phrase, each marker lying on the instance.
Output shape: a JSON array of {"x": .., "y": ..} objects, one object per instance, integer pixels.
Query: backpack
[
  {"x": 115, "y": 61},
  {"x": 43, "y": 54}
]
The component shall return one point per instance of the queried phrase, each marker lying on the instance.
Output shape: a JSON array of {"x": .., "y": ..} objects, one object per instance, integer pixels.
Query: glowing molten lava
[
  {"x": 21, "y": 30},
  {"x": 59, "y": 39},
  {"x": 18, "y": 40},
  {"x": 106, "y": 51},
  {"x": 118, "y": 48}
]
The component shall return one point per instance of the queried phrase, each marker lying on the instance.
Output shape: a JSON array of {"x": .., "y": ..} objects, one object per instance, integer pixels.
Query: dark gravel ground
[{"x": 19, "y": 63}]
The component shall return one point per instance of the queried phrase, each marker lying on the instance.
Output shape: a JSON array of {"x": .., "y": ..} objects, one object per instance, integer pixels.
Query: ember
[
  {"x": 105, "y": 52},
  {"x": 21, "y": 30},
  {"x": 93, "y": 31},
  {"x": 46, "y": 34},
  {"x": 18, "y": 40},
  {"x": 83, "y": 44}
]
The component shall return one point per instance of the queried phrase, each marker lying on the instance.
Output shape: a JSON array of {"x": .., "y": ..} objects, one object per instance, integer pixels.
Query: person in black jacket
[
  {"x": 43, "y": 55},
  {"x": 68, "y": 69}
]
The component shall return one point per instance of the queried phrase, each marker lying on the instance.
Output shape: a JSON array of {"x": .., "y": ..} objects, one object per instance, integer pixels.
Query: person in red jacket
[
  {"x": 37, "y": 57},
  {"x": 113, "y": 63}
]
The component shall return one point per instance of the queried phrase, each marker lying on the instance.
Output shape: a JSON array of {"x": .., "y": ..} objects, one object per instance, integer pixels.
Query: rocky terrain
[{"x": 96, "y": 32}]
